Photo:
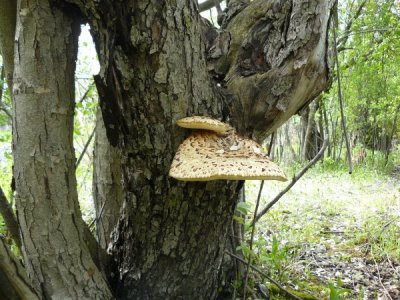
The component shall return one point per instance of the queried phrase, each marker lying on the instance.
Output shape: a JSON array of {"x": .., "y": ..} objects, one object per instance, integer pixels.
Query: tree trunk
[
  {"x": 320, "y": 136},
  {"x": 56, "y": 255},
  {"x": 329, "y": 134},
  {"x": 164, "y": 222},
  {"x": 312, "y": 140},
  {"x": 392, "y": 131},
  {"x": 335, "y": 137},
  {"x": 309, "y": 127},
  {"x": 288, "y": 142}
]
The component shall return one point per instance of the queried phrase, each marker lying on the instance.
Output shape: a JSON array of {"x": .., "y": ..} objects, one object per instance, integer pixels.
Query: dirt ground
[{"x": 345, "y": 228}]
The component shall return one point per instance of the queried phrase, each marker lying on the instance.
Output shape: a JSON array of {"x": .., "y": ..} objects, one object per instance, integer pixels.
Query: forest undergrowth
[{"x": 333, "y": 235}]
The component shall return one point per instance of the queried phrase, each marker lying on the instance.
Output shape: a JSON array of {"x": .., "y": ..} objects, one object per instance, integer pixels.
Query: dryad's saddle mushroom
[
  {"x": 201, "y": 122},
  {"x": 217, "y": 152}
]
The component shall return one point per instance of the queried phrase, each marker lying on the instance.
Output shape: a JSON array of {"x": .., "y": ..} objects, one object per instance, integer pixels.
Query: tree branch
[
  {"x": 340, "y": 96},
  {"x": 342, "y": 47},
  {"x": 271, "y": 64},
  {"x": 8, "y": 17},
  {"x": 2, "y": 75},
  {"x": 293, "y": 182},
  {"x": 346, "y": 33},
  {"x": 208, "y": 4},
  {"x": 16, "y": 283},
  {"x": 84, "y": 96},
  {"x": 9, "y": 219},
  {"x": 85, "y": 148},
  {"x": 5, "y": 110}
]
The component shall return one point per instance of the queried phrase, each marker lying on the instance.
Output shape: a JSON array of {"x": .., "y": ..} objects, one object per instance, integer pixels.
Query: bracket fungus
[
  {"x": 201, "y": 122},
  {"x": 209, "y": 155}
]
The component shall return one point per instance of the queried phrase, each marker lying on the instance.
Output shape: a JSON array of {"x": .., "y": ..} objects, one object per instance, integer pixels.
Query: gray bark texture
[
  {"x": 107, "y": 184},
  {"x": 56, "y": 255},
  {"x": 275, "y": 60},
  {"x": 163, "y": 222},
  {"x": 159, "y": 62}
]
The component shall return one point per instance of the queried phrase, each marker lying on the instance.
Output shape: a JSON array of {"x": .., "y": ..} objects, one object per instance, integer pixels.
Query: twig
[
  {"x": 251, "y": 241},
  {"x": 253, "y": 225},
  {"x": 2, "y": 107},
  {"x": 332, "y": 232},
  {"x": 347, "y": 31},
  {"x": 85, "y": 148},
  {"x": 341, "y": 102},
  {"x": 2, "y": 75},
  {"x": 271, "y": 142},
  {"x": 391, "y": 264},
  {"x": 5, "y": 111},
  {"x": 265, "y": 275},
  {"x": 96, "y": 219},
  {"x": 387, "y": 225},
  {"x": 379, "y": 276},
  {"x": 364, "y": 31},
  {"x": 218, "y": 7},
  {"x": 9, "y": 219},
  {"x": 86, "y": 92},
  {"x": 294, "y": 180}
]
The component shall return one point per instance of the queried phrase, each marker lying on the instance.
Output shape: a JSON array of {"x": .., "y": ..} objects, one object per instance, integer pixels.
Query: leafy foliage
[{"x": 369, "y": 69}]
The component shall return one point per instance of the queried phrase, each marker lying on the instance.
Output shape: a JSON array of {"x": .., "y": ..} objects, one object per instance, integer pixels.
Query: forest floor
[{"x": 333, "y": 235}]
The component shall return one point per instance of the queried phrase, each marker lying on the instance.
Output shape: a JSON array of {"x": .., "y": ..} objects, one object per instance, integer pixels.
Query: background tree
[
  {"x": 368, "y": 59},
  {"x": 368, "y": 45},
  {"x": 160, "y": 61}
]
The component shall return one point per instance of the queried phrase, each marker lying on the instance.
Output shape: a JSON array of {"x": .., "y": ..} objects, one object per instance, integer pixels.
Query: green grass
[{"x": 329, "y": 220}]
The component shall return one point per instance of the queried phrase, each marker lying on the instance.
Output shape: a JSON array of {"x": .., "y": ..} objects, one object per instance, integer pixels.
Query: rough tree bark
[
  {"x": 158, "y": 74},
  {"x": 107, "y": 184},
  {"x": 56, "y": 255},
  {"x": 159, "y": 62}
]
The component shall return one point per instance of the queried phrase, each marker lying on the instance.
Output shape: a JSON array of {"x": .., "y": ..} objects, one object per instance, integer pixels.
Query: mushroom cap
[
  {"x": 205, "y": 155},
  {"x": 206, "y": 123}
]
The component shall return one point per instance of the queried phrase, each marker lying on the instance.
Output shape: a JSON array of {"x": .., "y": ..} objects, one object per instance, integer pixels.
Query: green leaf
[
  {"x": 238, "y": 219},
  {"x": 243, "y": 208}
]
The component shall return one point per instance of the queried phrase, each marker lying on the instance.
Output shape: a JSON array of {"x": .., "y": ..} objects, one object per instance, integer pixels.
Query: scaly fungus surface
[{"x": 217, "y": 152}]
